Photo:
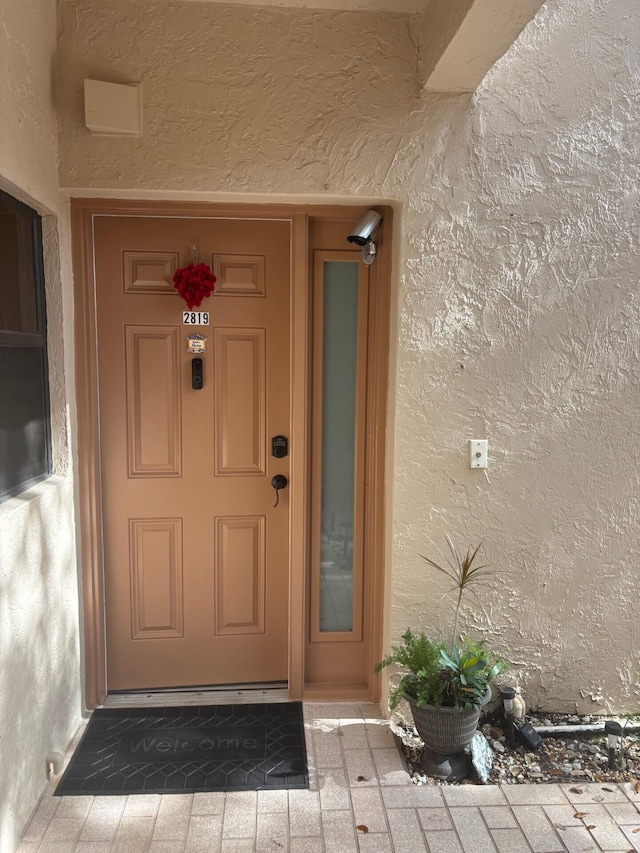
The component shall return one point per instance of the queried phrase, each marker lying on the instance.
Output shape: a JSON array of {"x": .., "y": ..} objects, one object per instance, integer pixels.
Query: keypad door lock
[{"x": 279, "y": 446}]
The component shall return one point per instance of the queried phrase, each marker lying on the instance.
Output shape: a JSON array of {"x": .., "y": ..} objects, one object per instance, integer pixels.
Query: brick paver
[{"x": 361, "y": 801}]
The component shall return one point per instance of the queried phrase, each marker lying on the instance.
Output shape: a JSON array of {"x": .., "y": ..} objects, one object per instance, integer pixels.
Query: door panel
[
  {"x": 196, "y": 555},
  {"x": 150, "y": 272},
  {"x": 240, "y": 580},
  {"x": 240, "y": 377},
  {"x": 154, "y": 429},
  {"x": 156, "y": 577}
]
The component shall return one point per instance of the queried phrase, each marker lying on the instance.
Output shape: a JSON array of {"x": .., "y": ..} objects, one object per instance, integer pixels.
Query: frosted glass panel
[{"x": 339, "y": 373}]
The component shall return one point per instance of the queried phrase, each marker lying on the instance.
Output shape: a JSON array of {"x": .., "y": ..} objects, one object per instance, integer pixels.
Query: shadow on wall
[{"x": 39, "y": 647}]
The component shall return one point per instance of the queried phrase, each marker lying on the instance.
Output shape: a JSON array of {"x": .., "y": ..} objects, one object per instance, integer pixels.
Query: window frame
[{"x": 37, "y": 339}]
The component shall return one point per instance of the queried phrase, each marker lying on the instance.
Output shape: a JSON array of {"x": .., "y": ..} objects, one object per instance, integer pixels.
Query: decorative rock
[
  {"x": 481, "y": 757},
  {"x": 497, "y": 746}
]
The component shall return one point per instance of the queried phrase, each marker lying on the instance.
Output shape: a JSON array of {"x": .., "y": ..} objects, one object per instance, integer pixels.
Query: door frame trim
[{"x": 83, "y": 211}]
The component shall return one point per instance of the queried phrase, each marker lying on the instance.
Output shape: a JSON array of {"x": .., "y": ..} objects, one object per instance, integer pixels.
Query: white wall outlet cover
[{"x": 478, "y": 449}]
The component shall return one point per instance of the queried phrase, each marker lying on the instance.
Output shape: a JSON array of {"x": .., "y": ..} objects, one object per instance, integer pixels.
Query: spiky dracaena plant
[
  {"x": 457, "y": 677},
  {"x": 461, "y": 568}
]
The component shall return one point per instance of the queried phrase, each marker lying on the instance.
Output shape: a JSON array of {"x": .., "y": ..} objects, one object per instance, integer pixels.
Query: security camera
[{"x": 362, "y": 233}]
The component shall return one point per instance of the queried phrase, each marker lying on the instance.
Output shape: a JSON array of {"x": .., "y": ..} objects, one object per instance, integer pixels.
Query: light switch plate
[{"x": 478, "y": 448}]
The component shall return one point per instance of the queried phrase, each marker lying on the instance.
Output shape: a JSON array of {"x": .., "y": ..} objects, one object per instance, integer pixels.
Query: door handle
[{"x": 278, "y": 482}]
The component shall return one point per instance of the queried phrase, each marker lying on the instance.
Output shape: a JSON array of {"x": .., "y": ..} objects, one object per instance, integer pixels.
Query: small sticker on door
[
  {"x": 197, "y": 343},
  {"x": 195, "y": 318}
]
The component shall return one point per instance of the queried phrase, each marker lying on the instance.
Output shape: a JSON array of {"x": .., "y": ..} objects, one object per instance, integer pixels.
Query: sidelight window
[{"x": 340, "y": 345}]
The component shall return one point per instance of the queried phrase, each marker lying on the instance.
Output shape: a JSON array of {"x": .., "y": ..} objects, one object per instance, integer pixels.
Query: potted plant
[{"x": 446, "y": 685}]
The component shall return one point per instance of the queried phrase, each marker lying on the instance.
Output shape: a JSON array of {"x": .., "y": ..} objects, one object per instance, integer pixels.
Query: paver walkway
[{"x": 361, "y": 801}]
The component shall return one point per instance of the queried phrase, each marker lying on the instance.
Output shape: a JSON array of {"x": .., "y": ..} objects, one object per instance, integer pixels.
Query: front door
[{"x": 195, "y": 552}]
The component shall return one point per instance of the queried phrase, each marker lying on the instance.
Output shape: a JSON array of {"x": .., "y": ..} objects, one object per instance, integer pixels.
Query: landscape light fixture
[
  {"x": 613, "y": 732},
  {"x": 507, "y": 693}
]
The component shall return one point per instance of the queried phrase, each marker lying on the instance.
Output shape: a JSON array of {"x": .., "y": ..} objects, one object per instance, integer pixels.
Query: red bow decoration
[{"x": 194, "y": 283}]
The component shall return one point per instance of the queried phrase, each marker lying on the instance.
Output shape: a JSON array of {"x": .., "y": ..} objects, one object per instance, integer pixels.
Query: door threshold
[{"x": 235, "y": 694}]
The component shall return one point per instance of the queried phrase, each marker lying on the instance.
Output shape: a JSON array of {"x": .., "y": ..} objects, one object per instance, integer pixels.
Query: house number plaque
[{"x": 195, "y": 318}]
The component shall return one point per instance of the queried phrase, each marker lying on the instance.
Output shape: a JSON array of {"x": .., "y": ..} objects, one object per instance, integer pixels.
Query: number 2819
[{"x": 195, "y": 318}]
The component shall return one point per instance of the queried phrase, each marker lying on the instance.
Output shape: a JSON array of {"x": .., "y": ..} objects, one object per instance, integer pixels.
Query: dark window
[{"x": 25, "y": 445}]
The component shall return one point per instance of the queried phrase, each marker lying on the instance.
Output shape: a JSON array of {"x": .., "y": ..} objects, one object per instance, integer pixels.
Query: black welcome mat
[{"x": 190, "y": 749}]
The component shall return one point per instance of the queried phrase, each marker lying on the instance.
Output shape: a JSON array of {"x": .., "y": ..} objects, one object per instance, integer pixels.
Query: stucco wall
[
  {"x": 39, "y": 635},
  {"x": 515, "y": 285}
]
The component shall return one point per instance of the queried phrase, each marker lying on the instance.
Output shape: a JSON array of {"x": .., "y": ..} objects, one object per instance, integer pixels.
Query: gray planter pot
[
  {"x": 444, "y": 729},
  {"x": 446, "y": 733}
]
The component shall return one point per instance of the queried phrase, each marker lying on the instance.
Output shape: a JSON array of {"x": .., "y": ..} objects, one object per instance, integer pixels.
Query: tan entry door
[{"x": 196, "y": 554}]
